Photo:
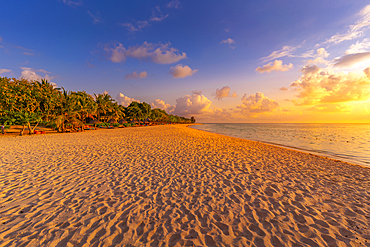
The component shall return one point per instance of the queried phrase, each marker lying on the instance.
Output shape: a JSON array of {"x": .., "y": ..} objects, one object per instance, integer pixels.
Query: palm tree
[
  {"x": 85, "y": 105},
  {"x": 69, "y": 113},
  {"x": 104, "y": 102}
]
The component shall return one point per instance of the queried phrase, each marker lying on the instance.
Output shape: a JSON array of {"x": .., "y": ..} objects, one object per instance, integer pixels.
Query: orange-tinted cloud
[
  {"x": 224, "y": 92},
  {"x": 158, "y": 103},
  {"x": 192, "y": 104},
  {"x": 318, "y": 86},
  {"x": 124, "y": 100},
  {"x": 180, "y": 71},
  {"x": 277, "y": 65},
  {"x": 255, "y": 104}
]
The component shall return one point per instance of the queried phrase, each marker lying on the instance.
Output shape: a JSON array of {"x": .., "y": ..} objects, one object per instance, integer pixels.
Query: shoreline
[
  {"x": 176, "y": 186},
  {"x": 319, "y": 154}
]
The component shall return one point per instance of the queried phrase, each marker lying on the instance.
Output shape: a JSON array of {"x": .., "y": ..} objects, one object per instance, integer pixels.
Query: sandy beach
[{"x": 175, "y": 186}]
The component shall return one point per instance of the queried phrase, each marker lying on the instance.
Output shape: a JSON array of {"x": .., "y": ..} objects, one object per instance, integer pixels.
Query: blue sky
[{"x": 220, "y": 61}]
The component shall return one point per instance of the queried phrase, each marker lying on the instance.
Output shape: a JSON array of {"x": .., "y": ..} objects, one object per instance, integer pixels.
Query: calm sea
[{"x": 348, "y": 142}]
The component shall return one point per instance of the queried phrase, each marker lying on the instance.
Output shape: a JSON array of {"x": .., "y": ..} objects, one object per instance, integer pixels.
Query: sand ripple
[{"x": 175, "y": 186}]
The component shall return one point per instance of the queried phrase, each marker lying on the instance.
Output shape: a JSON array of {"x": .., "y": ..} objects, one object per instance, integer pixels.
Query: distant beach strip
[
  {"x": 346, "y": 142},
  {"x": 171, "y": 185}
]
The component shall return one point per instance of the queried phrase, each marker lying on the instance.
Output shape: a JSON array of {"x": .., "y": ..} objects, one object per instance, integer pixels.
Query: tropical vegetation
[{"x": 30, "y": 103}]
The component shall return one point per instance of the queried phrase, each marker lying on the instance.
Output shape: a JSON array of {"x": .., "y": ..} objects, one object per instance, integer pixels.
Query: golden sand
[{"x": 175, "y": 186}]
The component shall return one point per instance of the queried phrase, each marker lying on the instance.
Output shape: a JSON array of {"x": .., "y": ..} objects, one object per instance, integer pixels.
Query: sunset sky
[{"x": 219, "y": 61}]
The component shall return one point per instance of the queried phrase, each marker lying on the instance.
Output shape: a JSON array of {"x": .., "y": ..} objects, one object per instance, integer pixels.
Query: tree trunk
[
  {"x": 30, "y": 132},
  {"x": 33, "y": 129},
  {"x": 21, "y": 133}
]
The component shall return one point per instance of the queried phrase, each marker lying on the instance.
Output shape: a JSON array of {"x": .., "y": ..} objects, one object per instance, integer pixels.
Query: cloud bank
[
  {"x": 158, "y": 103},
  {"x": 318, "y": 86}
]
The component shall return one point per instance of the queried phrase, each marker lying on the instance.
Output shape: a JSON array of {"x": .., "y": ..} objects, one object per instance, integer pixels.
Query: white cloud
[
  {"x": 173, "y": 4},
  {"x": 72, "y": 3},
  {"x": 283, "y": 52},
  {"x": 124, "y": 100},
  {"x": 359, "y": 47},
  {"x": 224, "y": 92},
  {"x": 135, "y": 27},
  {"x": 318, "y": 86},
  {"x": 30, "y": 74},
  {"x": 180, "y": 71},
  {"x": 276, "y": 66},
  {"x": 196, "y": 92},
  {"x": 256, "y": 104},
  {"x": 320, "y": 56},
  {"x": 158, "y": 103},
  {"x": 352, "y": 59},
  {"x": 136, "y": 75},
  {"x": 4, "y": 71},
  {"x": 228, "y": 41},
  {"x": 95, "y": 19},
  {"x": 307, "y": 54},
  {"x": 192, "y": 104},
  {"x": 156, "y": 53},
  {"x": 356, "y": 30}
]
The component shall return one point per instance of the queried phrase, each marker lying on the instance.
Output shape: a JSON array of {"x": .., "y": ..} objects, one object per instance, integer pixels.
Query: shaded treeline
[{"x": 29, "y": 103}]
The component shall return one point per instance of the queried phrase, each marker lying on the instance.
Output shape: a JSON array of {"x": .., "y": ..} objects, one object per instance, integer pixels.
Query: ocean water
[{"x": 347, "y": 142}]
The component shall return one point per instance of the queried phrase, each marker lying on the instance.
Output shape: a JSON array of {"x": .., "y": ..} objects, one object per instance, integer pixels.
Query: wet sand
[{"x": 175, "y": 186}]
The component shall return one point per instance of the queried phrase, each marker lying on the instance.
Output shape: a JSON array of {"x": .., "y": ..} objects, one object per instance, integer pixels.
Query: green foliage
[{"x": 27, "y": 103}]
